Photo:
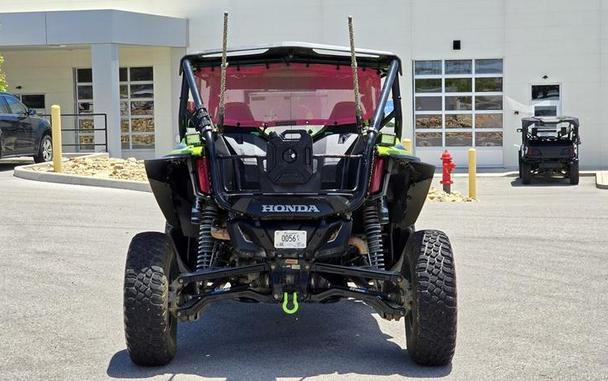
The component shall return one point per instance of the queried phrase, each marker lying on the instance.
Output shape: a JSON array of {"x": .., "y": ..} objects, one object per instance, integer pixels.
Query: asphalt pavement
[{"x": 532, "y": 274}]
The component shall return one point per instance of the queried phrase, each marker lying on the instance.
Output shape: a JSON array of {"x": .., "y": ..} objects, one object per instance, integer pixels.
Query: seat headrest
[
  {"x": 342, "y": 111},
  {"x": 238, "y": 112}
]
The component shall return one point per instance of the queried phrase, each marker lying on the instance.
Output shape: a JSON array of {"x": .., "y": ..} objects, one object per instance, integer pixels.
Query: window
[
  {"x": 428, "y": 104},
  {"x": 490, "y": 84},
  {"x": 15, "y": 106},
  {"x": 458, "y": 85},
  {"x": 459, "y": 121},
  {"x": 428, "y": 85},
  {"x": 428, "y": 139},
  {"x": 488, "y": 66},
  {"x": 34, "y": 101},
  {"x": 458, "y": 103},
  {"x": 458, "y": 67},
  {"x": 84, "y": 136},
  {"x": 427, "y": 67},
  {"x": 493, "y": 102},
  {"x": 137, "y": 107},
  {"x": 488, "y": 121},
  {"x": 85, "y": 75},
  {"x": 4, "y": 106},
  {"x": 546, "y": 100},
  {"x": 429, "y": 121},
  {"x": 545, "y": 110},
  {"x": 542, "y": 92}
]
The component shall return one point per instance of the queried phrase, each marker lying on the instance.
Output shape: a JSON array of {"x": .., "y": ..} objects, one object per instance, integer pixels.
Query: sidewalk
[{"x": 601, "y": 179}]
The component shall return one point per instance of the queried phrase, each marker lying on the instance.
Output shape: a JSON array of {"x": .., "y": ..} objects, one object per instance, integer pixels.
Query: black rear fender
[
  {"x": 408, "y": 186},
  {"x": 170, "y": 180}
]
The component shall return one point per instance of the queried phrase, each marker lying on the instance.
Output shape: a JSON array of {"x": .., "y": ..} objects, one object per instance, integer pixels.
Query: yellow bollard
[
  {"x": 407, "y": 144},
  {"x": 472, "y": 173},
  {"x": 56, "y": 132}
]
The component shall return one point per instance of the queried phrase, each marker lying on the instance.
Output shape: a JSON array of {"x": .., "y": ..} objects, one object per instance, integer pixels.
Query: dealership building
[{"x": 471, "y": 68}]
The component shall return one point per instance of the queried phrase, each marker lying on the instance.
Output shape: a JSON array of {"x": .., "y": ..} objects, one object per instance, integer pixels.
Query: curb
[
  {"x": 601, "y": 179},
  {"x": 505, "y": 174},
  {"x": 27, "y": 172}
]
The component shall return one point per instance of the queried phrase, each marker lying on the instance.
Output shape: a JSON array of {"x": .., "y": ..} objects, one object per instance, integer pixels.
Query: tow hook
[{"x": 296, "y": 305}]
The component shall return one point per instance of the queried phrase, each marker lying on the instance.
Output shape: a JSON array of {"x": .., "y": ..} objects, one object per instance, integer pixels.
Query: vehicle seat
[
  {"x": 238, "y": 113},
  {"x": 342, "y": 113}
]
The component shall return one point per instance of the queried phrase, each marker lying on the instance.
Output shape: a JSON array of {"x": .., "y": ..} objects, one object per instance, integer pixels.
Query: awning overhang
[{"x": 86, "y": 27}]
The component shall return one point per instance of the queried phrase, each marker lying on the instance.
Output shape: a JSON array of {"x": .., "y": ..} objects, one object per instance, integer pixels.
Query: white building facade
[{"x": 471, "y": 68}]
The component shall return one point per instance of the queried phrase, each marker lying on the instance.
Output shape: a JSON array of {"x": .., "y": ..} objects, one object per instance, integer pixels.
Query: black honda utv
[
  {"x": 285, "y": 190},
  {"x": 549, "y": 146}
]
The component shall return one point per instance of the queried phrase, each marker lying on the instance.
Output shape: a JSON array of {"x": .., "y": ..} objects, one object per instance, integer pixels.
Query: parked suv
[{"x": 22, "y": 133}]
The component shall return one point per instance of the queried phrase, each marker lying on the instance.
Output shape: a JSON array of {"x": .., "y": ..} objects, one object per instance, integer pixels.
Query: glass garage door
[
  {"x": 136, "y": 109},
  {"x": 458, "y": 104}
]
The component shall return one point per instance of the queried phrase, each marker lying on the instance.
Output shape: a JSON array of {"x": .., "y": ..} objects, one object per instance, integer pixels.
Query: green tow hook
[{"x": 296, "y": 306}]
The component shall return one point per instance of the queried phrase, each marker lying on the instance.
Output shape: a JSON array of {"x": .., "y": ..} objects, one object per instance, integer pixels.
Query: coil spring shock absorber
[
  {"x": 373, "y": 231},
  {"x": 205, "y": 240}
]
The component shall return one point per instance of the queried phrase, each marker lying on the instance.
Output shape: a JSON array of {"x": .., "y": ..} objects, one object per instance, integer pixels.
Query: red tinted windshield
[{"x": 289, "y": 95}]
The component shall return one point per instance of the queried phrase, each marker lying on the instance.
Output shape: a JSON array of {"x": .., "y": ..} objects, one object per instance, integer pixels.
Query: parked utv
[
  {"x": 549, "y": 146},
  {"x": 284, "y": 190}
]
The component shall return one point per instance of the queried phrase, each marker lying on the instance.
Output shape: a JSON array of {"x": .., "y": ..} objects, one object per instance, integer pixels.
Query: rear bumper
[
  {"x": 550, "y": 162},
  {"x": 389, "y": 303}
]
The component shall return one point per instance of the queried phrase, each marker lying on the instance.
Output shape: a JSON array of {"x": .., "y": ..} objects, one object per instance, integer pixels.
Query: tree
[{"x": 2, "y": 76}]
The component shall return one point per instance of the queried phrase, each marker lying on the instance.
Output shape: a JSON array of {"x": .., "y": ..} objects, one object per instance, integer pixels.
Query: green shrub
[{"x": 2, "y": 76}]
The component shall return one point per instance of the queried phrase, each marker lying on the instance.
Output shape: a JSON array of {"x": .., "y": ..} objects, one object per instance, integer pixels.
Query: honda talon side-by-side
[{"x": 285, "y": 190}]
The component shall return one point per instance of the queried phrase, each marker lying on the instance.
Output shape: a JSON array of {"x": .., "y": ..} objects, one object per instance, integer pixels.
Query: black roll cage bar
[
  {"x": 547, "y": 125},
  {"x": 204, "y": 124}
]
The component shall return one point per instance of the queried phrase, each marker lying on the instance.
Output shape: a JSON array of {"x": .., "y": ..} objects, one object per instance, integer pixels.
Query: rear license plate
[{"x": 290, "y": 239}]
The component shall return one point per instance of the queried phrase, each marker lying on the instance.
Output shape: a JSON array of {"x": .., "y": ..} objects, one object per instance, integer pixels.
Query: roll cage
[
  {"x": 387, "y": 64},
  {"x": 537, "y": 129}
]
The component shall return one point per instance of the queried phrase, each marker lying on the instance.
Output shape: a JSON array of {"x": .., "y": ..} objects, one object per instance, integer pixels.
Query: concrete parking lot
[{"x": 532, "y": 269}]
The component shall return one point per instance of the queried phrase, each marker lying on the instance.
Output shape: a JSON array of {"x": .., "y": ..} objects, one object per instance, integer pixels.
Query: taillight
[
  {"x": 202, "y": 169},
  {"x": 375, "y": 184}
]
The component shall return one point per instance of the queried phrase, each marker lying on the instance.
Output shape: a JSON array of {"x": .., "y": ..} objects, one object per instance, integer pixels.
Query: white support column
[{"x": 106, "y": 94}]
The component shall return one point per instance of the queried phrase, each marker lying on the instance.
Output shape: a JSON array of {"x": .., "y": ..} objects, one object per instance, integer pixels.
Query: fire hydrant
[{"x": 448, "y": 167}]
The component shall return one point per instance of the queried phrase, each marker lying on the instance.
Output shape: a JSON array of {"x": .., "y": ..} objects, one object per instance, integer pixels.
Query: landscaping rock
[
  {"x": 129, "y": 169},
  {"x": 438, "y": 195}
]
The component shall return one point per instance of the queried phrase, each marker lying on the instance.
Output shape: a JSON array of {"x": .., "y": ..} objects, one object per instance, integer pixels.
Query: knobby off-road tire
[
  {"x": 150, "y": 329},
  {"x": 430, "y": 326},
  {"x": 520, "y": 170},
  {"x": 526, "y": 173},
  {"x": 520, "y": 164},
  {"x": 574, "y": 173}
]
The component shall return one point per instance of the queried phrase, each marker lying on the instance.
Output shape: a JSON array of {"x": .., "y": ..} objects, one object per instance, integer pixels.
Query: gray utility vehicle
[{"x": 549, "y": 146}]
